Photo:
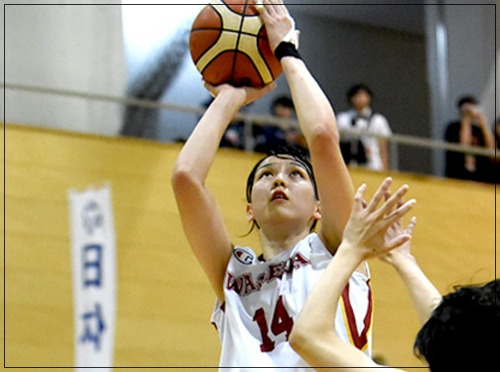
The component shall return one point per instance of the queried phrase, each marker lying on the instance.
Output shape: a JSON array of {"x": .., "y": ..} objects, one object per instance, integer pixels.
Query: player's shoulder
[{"x": 314, "y": 248}]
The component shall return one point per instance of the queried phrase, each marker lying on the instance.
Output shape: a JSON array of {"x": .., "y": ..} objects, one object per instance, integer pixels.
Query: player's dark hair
[
  {"x": 283, "y": 152},
  {"x": 462, "y": 329}
]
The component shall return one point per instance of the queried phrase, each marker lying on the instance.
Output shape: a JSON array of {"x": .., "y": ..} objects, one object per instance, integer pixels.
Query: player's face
[{"x": 282, "y": 189}]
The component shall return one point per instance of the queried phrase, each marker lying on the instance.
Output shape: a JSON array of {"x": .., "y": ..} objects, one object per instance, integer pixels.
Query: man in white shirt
[{"x": 367, "y": 149}]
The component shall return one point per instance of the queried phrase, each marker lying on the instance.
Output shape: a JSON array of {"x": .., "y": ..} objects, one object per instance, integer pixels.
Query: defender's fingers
[
  {"x": 397, "y": 241},
  {"x": 379, "y": 195},
  {"x": 387, "y": 195},
  {"x": 411, "y": 226},
  {"x": 399, "y": 212},
  {"x": 394, "y": 202},
  {"x": 359, "y": 203}
]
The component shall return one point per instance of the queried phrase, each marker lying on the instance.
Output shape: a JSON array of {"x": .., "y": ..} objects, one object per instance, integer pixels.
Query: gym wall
[{"x": 164, "y": 301}]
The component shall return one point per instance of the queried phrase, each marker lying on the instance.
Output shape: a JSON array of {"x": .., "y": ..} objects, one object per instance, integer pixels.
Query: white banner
[{"x": 94, "y": 277}]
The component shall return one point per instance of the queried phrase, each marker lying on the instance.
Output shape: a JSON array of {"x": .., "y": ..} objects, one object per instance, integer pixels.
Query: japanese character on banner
[{"x": 94, "y": 327}]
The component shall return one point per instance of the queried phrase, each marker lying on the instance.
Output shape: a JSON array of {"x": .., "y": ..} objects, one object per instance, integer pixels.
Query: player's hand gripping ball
[{"x": 228, "y": 44}]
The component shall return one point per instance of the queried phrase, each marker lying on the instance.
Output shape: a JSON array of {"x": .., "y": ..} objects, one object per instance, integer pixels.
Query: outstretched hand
[
  {"x": 403, "y": 252},
  {"x": 372, "y": 231}
]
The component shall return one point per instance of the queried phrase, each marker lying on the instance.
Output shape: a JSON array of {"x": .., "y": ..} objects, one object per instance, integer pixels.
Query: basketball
[{"x": 228, "y": 44}]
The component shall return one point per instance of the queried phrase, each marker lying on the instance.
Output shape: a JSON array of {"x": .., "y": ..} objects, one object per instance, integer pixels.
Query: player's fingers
[
  {"x": 397, "y": 242},
  {"x": 383, "y": 188},
  {"x": 211, "y": 89},
  {"x": 387, "y": 195},
  {"x": 359, "y": 203},
  {"x": 267, "y": 88},
  {"x": 275, "y": 7},
  {"x": 399, "y": 213},
  {"x": 258, "y": 4},
  {"x": 268, "y": 6},
  {"x": 393, "y": 202},
  {"x": 399, "y": 223},
  {"x": 274, "y": 2},
  {"x": 411, "y": 226}
]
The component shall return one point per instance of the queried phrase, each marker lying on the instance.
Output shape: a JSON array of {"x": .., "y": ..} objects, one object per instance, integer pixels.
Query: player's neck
[{"x": 273, "y": 243}]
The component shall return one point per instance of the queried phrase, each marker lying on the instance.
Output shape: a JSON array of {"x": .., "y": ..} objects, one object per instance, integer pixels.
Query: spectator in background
[
  {"x": 235, "y": 134},
  {"x": 471, "y": 129},
  {"x": 271, "y": 136},
  {"x": 365, "y": 149}
]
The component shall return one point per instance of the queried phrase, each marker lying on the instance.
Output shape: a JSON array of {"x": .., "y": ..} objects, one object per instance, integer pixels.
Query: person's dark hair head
[
  {"x": 283, "y": 152},
  {"x": 466, "y": 99},
  {"x": 352, "y": 91},
  {"x": 282, "y": 101},
  {"x": 462, "y": 330}
]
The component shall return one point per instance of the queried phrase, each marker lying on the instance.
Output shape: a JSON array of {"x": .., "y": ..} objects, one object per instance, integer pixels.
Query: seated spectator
[
  {"x": 271, "y": 136},
  {"x": 235, "y": 134},
  {"x": 470, "y": 129}
]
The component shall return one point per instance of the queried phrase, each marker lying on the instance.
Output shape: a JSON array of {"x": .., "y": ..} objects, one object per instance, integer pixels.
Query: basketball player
[
  {"x": 258, "y": 300},
  {"x": 457, "y": 329}
]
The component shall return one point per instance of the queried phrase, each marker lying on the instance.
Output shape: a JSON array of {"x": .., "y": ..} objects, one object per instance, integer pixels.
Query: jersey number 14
[{"x": 281, "y": 322}]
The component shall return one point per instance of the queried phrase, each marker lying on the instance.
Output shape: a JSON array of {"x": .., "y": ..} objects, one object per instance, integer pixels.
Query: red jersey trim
[{"x": 358, "y": 340}]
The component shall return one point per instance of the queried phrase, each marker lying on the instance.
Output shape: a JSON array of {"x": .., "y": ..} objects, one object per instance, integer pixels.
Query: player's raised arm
[
  {"x": 201, "y": 219},
  {"x": 423, "y": 293},
  {"x": 317, "y": 122}
]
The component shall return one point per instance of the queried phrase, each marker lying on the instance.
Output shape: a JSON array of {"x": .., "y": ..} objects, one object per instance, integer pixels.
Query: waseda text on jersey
[{"x": 246, "y": 283}]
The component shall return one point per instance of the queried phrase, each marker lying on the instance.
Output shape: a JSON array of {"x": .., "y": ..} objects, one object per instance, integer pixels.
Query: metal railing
[{"x": 394, "y": 139}]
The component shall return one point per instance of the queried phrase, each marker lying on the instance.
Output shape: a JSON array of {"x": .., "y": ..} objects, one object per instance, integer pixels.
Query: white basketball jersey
[{"x": 263, "y": 300}]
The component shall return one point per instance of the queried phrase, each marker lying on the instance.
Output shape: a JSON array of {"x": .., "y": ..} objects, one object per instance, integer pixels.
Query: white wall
[{"x": 70, "y": 47}]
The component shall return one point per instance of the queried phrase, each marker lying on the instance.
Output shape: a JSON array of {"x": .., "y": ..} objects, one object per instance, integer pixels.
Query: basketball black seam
[
  {"x": 238, "y": 39},
  {"x": 216, "y": 40},
  {"x": 222, "y": 29}
]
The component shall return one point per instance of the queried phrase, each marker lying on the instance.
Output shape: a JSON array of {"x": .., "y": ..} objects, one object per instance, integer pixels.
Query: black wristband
[{"x": 286, "y": 49}]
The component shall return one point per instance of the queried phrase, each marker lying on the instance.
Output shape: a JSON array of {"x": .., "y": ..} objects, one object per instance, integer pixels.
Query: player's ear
[
  {"x": 250, "y": 216},
  {"x": 317, "y": 211}
]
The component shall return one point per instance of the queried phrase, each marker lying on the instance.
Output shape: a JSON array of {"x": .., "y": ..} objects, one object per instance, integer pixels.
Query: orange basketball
[{"x": 228, "y": 44}]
